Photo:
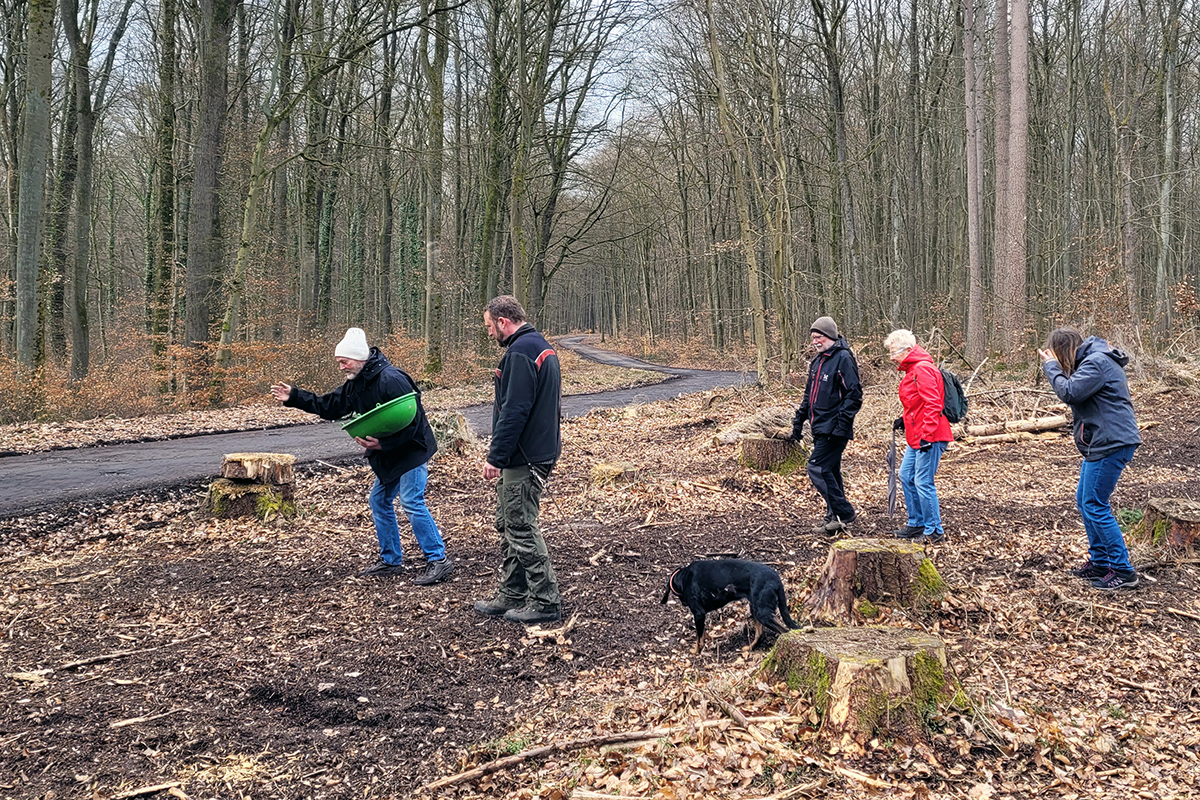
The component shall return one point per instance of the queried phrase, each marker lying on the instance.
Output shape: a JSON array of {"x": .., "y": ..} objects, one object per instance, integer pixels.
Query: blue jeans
[
  {"x": 1097, "y": 479},
  {"x": 411, "y": 488},
  {"x": 920, "y": 495}
]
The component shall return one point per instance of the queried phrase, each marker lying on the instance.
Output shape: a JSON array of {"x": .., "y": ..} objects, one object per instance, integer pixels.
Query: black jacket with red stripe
[
  {"x": 833, "y": 394},
  {"x": 528, "y": 405}
]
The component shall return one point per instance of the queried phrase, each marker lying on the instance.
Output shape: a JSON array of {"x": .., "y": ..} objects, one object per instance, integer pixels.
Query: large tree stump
[
  {"x": 229, "y": 498},
  {"x": 269, "y": 468},
  {"x": 1173, "y": 521},
  {"x": 865, "y": 680},
  {"x": 860, "y": 573},
  {"x": 452, "y": 432},
  {"x": 773, "y": 422},
  {"x": 783, "y": 456}
]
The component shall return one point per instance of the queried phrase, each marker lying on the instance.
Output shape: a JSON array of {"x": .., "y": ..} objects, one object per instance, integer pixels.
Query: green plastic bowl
[{"x": 385, "y": 418}]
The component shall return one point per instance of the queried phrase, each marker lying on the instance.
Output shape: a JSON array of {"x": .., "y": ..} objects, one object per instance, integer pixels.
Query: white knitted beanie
[{"x": 353, "y": 345}]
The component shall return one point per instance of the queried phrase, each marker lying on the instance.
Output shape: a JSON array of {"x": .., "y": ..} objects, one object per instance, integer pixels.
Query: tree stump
[
  {"x": 859, "y": 573},
  {"x": 614, "y": 473},
  {"x": 229, "y": 498},
  {"x": 269, "y": 468},
  {"x": 254, "y": 485},
  {"x": 783, "y": 456},
  {"x": 865, "y": 680},
  {"x": 774, "y": 422},
  {"x": 1173, "y": 521},
  {"x": 452, "y": 432}
]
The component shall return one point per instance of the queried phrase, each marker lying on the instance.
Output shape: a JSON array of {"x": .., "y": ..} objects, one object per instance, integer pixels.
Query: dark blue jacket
[
  {"x": 1098, "y": 395},
  {"x": 378, "y": 382},
  {"x": 832, "y": 395},
  {"x": 528, "y": 405}
]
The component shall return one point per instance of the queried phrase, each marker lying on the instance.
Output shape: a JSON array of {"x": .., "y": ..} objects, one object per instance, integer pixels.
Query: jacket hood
[
  {"x": 525, "y": 328},
  {"x": 376, "y": 362},
  {"x": 914, "y": 357},
  {"x": 1094, "y": 344},
  {"x": 839, "y": 343}
]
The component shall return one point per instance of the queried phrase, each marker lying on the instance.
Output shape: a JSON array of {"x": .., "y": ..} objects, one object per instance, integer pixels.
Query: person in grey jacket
[{"x": 1089, "y": 376}]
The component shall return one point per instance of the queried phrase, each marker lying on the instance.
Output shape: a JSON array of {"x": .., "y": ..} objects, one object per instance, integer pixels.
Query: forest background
[{"x": 201, "y": 196}]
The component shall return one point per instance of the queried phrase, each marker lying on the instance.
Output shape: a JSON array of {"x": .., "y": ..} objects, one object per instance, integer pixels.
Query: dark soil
[{"x": 261, "y": 641}]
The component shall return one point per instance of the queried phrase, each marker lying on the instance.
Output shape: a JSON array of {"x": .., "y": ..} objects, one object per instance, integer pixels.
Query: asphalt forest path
[{"x": 45, "y": 481}]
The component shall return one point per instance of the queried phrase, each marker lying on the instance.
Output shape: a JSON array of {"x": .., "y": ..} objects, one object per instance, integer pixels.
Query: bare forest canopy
[{"x": 184, "y": 183}]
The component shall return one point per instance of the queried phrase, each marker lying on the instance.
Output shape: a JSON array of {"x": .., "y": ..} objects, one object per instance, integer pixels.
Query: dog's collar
[{"x": 671, "y": 583}]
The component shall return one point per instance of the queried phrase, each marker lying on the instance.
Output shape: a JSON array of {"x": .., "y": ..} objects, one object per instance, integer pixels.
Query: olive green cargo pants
[{"x": 526, "y": 574}]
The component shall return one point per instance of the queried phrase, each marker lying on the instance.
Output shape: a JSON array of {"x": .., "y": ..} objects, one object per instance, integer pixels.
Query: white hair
[{"x": 901, "y": 339}]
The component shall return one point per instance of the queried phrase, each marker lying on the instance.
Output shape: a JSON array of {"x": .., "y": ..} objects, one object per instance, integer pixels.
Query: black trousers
[{"x": 825, "y": 471}]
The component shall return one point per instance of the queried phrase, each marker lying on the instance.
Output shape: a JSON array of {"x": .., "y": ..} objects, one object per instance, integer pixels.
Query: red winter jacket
[{"x": 923, "y": 396}]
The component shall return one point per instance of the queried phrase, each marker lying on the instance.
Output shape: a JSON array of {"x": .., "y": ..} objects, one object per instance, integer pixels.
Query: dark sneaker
[
  {"x": 382, "y": 569},
  {"x": 531, "y": 616},
  {"x": 435, "y": 572},
  {"x": 1116, "y": 580},
  {"x": 496, "y": 607},
  {"x": 931, "y": 538},
  {"x": 837, "y": 524},
  {"x": 909, "y": 532},
  {"x": 1090, "y": 571}
]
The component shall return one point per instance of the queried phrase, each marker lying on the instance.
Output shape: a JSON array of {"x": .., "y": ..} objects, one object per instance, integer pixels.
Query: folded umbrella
[{"x": 891, "y": 462}]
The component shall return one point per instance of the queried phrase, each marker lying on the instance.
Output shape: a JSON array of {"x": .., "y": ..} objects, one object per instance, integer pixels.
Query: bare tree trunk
[
  {"x": 976, "y": 334},
  {"x": 435, "y": 80},
  {"x": 160, "y": 294},
  {"x": 1166, "y": 219},
  {"x": 1016, "y": 215},
  {"x": 35, "y": 136},
  {"x": 1001, "y": 91}
]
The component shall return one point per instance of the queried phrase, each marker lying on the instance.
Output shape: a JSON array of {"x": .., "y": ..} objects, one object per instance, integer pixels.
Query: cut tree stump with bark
[
  {"x": 863, "y": 681},
  {"x": 452, "y": 432},
  {"x": 614, "y": 473},
  {"x": 774, "y": 422},
  {"x": 783, "y": 456},
  {"x": 269, "y": 468},
  {"x": 860, "y": 574},
  {"x": 229, "y": 498},
  {"x": 1173, "y": 521}
]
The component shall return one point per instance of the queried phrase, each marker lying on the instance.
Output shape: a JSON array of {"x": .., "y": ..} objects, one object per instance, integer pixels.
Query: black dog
[{"x": 705, "y": 586}]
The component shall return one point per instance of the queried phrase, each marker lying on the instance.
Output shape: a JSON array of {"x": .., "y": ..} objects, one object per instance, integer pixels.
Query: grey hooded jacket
[{"x": 1098, "y": 395}]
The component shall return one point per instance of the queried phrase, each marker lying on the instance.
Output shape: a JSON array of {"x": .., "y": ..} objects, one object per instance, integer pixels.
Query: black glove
[
  {"x": 898, "y": 425},
  {"x": 926, "y": 446},
  {"x": 797, "y": 430}
]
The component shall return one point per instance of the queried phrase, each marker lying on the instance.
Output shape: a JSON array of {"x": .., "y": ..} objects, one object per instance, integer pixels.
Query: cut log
[
  {"x": 1018, "y": 426},
  {"x": 614, "y": 473},
  {"x": 773, "y": 423},
  {"x": 452, "y": 432},
  {"x": 862, "y": 573},
  {"x": 1170, "y": 521},
  {"x": 272, "y": 468},
  {"x": 863, "y": 681},
  {"x": 783, "y": 456},
  {"x": 228, "y": 499}
]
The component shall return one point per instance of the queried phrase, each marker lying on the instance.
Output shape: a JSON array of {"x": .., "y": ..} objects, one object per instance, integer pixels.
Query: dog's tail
[{"x": 783, "y": 609}]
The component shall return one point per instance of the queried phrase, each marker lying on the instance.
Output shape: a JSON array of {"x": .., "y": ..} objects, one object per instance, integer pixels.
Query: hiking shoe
[
  {"x": 496, "y": 607},
  {"x": 531, "y": 616},
  {"x": 1090, "y": 571},
  {"x": 909, "y": 532},
  {"x": 1117, "y": 580},
  {"x": 931, "y": 538},
  {"x": 381, "y": 569},
  {"x": 837, "y": 524},
  {"x": 435, "y": 572}
]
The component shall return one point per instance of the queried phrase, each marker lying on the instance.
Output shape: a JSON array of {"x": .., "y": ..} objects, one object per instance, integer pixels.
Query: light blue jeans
[
  {"x": 1097, "y": 479},
  {"x": 411, "y": 489},
  {"x": 920, "y": 495}
]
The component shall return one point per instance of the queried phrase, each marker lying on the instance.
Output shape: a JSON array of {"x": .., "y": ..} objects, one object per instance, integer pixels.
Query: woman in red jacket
[{"x": 926, "y": 431}]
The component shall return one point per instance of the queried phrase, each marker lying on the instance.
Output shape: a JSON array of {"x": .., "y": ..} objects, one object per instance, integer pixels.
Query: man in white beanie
[
  {"x": 832, "y": 396},
  {"x": 398, "y": 460}
]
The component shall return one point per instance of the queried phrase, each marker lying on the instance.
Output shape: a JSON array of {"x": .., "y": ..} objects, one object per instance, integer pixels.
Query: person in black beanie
[{"x": 832, "y": 396}]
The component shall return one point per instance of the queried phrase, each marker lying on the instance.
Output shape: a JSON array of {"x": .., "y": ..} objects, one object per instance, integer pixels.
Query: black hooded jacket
[
  {"x": 832, "y": 395},
  {"x": 528, "y": 405},
  {"x": 378, "y": 382},
  {"x": 1098, "y": 394}
]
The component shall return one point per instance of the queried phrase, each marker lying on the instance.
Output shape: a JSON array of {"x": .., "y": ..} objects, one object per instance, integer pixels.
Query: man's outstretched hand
[{"x": 281, "y": 391}]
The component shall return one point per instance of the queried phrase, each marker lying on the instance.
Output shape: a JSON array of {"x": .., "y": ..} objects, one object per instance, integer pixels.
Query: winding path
[{"x": 43, "y": 481}]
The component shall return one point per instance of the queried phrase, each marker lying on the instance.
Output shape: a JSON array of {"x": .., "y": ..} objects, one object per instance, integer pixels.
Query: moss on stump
[
  {"x": 863, "y": 681},
  {"x": 228, "y": 498},
  {"x": 782, "y": 456},
  {"x": 1172, "y": 522},
  {"x": 860, "y": 574}
]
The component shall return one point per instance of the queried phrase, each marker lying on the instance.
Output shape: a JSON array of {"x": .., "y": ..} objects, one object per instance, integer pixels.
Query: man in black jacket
[
  {"x": 398, "y": 460},
  {"x": 526, "y": 441},
  {"x": 832, "y": 396}
]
